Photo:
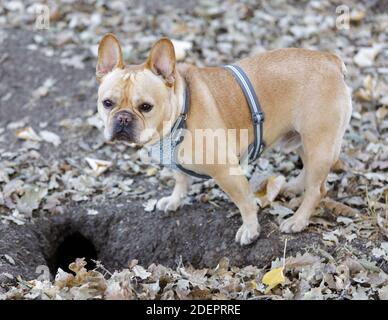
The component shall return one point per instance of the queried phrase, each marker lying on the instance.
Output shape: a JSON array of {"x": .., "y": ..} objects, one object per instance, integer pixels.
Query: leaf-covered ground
[{"x": 52, "y": 153}]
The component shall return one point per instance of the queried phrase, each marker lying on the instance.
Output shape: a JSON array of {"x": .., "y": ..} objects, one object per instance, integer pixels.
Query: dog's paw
[
  {"x": 247, "y": 234},
  {"x": 294, "y": 224},
  {"x": 168, "y": 204}
]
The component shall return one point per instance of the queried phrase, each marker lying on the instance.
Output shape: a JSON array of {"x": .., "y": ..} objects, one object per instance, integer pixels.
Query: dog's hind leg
[
  {"x": 319, "y": 157},
  {"x": 296, "y": 185},
  {"x": 322, "y": 131}
]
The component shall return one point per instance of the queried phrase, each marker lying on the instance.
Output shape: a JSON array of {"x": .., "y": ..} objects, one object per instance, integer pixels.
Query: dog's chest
[{"x": 162, "y": 152}]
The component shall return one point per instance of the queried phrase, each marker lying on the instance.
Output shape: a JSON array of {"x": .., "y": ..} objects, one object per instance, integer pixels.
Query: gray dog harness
[{"x": 166, "y": 148}]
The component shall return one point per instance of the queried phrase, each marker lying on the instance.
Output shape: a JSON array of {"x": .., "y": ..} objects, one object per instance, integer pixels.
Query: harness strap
[
  {"x": 177, "y": 137},
  {"x": 256, "y": 148}
]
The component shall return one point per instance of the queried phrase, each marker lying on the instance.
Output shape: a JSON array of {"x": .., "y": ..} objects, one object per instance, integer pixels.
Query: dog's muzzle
[{"x": 123, "y": 126}]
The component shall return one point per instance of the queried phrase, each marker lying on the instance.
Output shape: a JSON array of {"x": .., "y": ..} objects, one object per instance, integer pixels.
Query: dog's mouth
[
  {"x": 123, "y": 134},
  {"x": 122, "y": 137}
]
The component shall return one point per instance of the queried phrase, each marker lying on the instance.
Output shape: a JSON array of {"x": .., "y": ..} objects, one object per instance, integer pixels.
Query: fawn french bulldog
[{"x": 303, "y": 95}]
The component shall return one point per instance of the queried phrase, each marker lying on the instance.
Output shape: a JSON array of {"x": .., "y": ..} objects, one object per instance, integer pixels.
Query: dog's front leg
[
  {"x": 237, "y": 187},
  {"x": 173, "y": 202}
]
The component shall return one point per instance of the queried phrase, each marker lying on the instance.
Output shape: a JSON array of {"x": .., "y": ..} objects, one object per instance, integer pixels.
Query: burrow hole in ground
[{"x": 73, "y": 246}]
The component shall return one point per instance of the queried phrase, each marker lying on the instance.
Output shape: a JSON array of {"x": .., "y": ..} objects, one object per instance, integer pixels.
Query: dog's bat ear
[
  {"x": 161, "y": 60},
  {"x": 110, "y": 55}
]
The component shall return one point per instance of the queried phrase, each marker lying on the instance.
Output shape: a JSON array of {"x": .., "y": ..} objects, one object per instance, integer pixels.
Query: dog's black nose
[
  {"x": 123, "y": 126},
  {"x": 123, "y": 118}
]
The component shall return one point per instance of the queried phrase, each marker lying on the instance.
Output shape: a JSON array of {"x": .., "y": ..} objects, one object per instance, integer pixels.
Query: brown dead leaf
[
  {"x": 300, "y": 261},
  {"x": 269, "y": 190},
  {"x": 338, "y": 208}
]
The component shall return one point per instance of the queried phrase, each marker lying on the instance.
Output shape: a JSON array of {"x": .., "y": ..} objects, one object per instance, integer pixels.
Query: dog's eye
[
  {"x": 145, "y": 107},
  {"x": 107, "y": 103}
]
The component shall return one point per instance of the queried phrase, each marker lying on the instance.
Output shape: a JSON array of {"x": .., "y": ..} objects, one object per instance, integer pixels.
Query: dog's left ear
[
  {"x": 161, "y": 60},
  {"x": 109, "y": 55}
]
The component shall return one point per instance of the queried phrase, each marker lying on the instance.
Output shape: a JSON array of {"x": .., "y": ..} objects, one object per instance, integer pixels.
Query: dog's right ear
[{"x": 110, "y": 56}]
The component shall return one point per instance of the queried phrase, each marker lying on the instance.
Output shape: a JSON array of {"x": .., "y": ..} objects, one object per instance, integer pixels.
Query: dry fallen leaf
[
  {"x": 43, "y": 90},
  {"x": 63, "y": 279},
  {"x": 28, "y": 134},
  {"x": 279, "y": 210},
  {"x": 356, "y": 16},
  {"x": 92, "y": 212},
  {"x": 269, "y": 190},
  {"x": 150, "y": 205},
  {"x": 31, "y": 199},
  {"x": 9, "y": 259},
  {"x": 300, "y": 261},
  {"x": 140, "y": 272},
  {"x": 273, "y": 278},
  {"x": 151, "y": 171},
  {"x": 366, "y": 56},
  {"x": 98, "y": 166},
  {"x": 383, "y": 293},
  {"x": 115, "y": 291},
  {"x": 338, "y": 208},
  {"x": 50, "y": 137}
]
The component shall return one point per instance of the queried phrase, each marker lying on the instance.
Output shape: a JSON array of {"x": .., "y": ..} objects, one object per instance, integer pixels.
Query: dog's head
[{"x": 135, "y": 101}]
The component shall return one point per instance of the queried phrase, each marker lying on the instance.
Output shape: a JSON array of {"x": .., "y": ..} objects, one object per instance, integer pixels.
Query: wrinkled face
[
  {"x": 135, "y": 102},
  {"x": 133, "y": 105}
]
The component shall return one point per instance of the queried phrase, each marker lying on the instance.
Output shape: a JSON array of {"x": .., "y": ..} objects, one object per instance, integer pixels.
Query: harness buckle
[
  {"x": 258, "y": 117},
  {"x": 183, "y": 116}
]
